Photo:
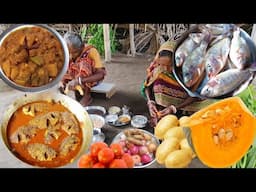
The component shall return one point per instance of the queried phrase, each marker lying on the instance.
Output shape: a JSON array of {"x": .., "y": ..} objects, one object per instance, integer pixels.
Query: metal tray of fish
[{"x": 214, "y": 85}]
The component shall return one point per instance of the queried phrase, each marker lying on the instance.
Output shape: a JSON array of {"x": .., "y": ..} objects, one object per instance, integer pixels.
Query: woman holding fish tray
[
  {"x": 213, "y": 61},
  {"x": 85, "y": 69}
]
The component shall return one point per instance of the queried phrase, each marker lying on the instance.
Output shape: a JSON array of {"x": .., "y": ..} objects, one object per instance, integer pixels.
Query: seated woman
[
  {"x": 163, "y": 93},
  {"x": 85, "y": 69}
]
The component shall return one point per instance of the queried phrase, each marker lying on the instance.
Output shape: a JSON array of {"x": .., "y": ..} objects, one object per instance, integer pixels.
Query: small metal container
[
  {"x": 97, "y": 121},
  {"x": 98, "y": 110},
  {"x": 114, "y": 110},
  {"x": 139, "y": 121}
]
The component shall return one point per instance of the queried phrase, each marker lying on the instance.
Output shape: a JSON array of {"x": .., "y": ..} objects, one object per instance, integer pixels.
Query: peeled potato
[
  {"x": 184, "y": 145},
  {"x": 183, "y": 121},
  {"x": 175, "y": 132},
  {"x": 167, "y": 146},
  {"x": 164, "y": 124},
  {"x": 178, "y": 159}
]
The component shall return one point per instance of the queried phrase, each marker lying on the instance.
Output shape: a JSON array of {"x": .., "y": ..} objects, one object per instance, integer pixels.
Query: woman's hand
[
  {"x": 152, "y": 108},
  {"x": 168, "y": 110}
]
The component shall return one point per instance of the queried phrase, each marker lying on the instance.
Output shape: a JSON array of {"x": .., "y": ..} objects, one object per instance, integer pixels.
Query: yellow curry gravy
[{"x": 20, "y": 149}]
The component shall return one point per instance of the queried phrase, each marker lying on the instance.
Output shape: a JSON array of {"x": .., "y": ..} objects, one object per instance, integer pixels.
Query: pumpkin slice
[{"x": 222, "y": 132}]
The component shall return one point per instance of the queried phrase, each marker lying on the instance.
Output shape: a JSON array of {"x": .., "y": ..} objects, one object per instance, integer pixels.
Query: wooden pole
[
  {"x": 107, "y": 46},
  {"x": 132, "y": 44}
]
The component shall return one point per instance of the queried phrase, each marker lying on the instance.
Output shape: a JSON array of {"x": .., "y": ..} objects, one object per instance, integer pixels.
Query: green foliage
[
  {"x": 249, "y": 159},
  {"x": 249, "y": 98},
  {"x": 93, "y": 34}
]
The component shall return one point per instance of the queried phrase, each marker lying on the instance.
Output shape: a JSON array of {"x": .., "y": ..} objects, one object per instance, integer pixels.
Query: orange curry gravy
[{"x": 20, "y": 149}]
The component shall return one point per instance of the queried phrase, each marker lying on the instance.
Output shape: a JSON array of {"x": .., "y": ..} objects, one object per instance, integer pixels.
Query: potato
[
  {"x": 164, "y": 124},
  {"x": 167, "y": 146},
  {"x": 178, "y": 159},
  {"x": 184, "y": 145},
  {"x": 183, "y": 121},
  {"x": 52, "y": 70},
  {"x": 6, "y": 66},
  {"x": 175, "y": 132}
]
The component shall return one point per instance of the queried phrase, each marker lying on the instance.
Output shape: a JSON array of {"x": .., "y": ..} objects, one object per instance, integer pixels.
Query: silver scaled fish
[
  {"x": 225, "y": 82},
  {"x": 216, "y": 57},
  {"x": 193, "y": 67},
  {"x": 239, "y": 51},
  {"x": 187, "y": 47}
]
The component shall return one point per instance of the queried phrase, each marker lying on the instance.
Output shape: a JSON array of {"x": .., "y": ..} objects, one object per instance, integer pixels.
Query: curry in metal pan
[
  {"x": 44, "y": 134},
  {"x": 31, "y": 56}
]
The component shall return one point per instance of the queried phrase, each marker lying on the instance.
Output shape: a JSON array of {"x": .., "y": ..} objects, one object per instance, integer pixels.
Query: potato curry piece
[
  {"x": 31, "y": 56},
  {"x": 46, "y": 138}
]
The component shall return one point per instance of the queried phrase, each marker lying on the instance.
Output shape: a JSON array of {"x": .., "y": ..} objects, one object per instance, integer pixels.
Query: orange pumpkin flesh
[{"x": 222, "y": 132}]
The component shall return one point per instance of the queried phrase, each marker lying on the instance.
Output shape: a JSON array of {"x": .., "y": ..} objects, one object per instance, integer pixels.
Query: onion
[
  {"x": 136, "y": 159},
  {"x": 145, "y": 158},
  {"x": 134, "y": 150},
  {"x": 122, "y": 143},
  {"x": 143, "y": 150},
  {"x": 152, "y": 147}
]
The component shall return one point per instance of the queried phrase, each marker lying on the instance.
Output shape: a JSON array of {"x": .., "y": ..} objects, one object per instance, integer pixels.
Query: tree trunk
[
  {"x": 132, "y": 44},
  {"x": 107, "y": 46}
]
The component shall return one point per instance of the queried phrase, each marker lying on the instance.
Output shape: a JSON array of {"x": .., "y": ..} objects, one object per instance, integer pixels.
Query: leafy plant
[
  {"x": 249, "y": 159},
  {"x": 249, "y": 98},
  {"x": 93, "y": 34}
]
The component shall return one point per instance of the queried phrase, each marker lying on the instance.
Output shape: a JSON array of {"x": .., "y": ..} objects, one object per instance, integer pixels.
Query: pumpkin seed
[
  {"x": 221, "y": 133},
  {"x": 216, "y": 139},
  {"x": 219, "y": 111},
  {"x": 229, "y": 134}
]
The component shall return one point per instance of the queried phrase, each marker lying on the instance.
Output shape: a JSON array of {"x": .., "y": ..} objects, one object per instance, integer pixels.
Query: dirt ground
[{"x": 127, "y": 73}]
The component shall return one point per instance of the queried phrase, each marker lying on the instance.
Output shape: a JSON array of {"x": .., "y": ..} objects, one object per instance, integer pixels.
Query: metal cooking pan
[
  {"x": 77, "y": 109},
  {"x": 177, "y": 71}
]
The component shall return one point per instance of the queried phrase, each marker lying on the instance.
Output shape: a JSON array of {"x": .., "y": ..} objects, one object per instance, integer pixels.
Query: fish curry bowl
[
  {"x": 33, "y": 57},
  {"x": 214, "y": 61},
  {"x": 46, "y": 130}
]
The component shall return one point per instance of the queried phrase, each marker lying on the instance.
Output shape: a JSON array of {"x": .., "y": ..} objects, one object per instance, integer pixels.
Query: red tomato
[
  {"x": 85, "y": 161},
  {"x": 106, "y": 155},
  {"x": 96, "y": 147},
  {"x": 118, "y": 163},
  {"x": 128, "y": 160},
  {"x": 98, "y": 165},
  {"x": 117, "y": 149}
]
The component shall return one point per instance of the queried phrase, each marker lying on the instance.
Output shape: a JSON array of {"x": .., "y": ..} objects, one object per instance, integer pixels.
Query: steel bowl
[
  {"x": 139, "y": 121},
  {"x": 95, "y": 118},
  {"x": 74, "y": 107},
  {"x": 55, "y": 81},
  {"x": 195, "y": 91},
  {"x": 120, "y": 135},
  {"x": 98, "y": 110}
]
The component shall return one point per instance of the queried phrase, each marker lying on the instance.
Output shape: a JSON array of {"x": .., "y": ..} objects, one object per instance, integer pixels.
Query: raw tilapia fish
[
  {"x": 239, "y": 51},
  {"x": 187, "y": 47},
  {"x": 193, "y": 67},
  {"x": 217, "y": 29},
  {"x": 216, "y": 57},
  {"x": 225, "y": 82}
]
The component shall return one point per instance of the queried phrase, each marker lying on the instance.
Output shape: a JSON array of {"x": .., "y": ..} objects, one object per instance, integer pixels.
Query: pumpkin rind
[{"x": 222, "y": 132}]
